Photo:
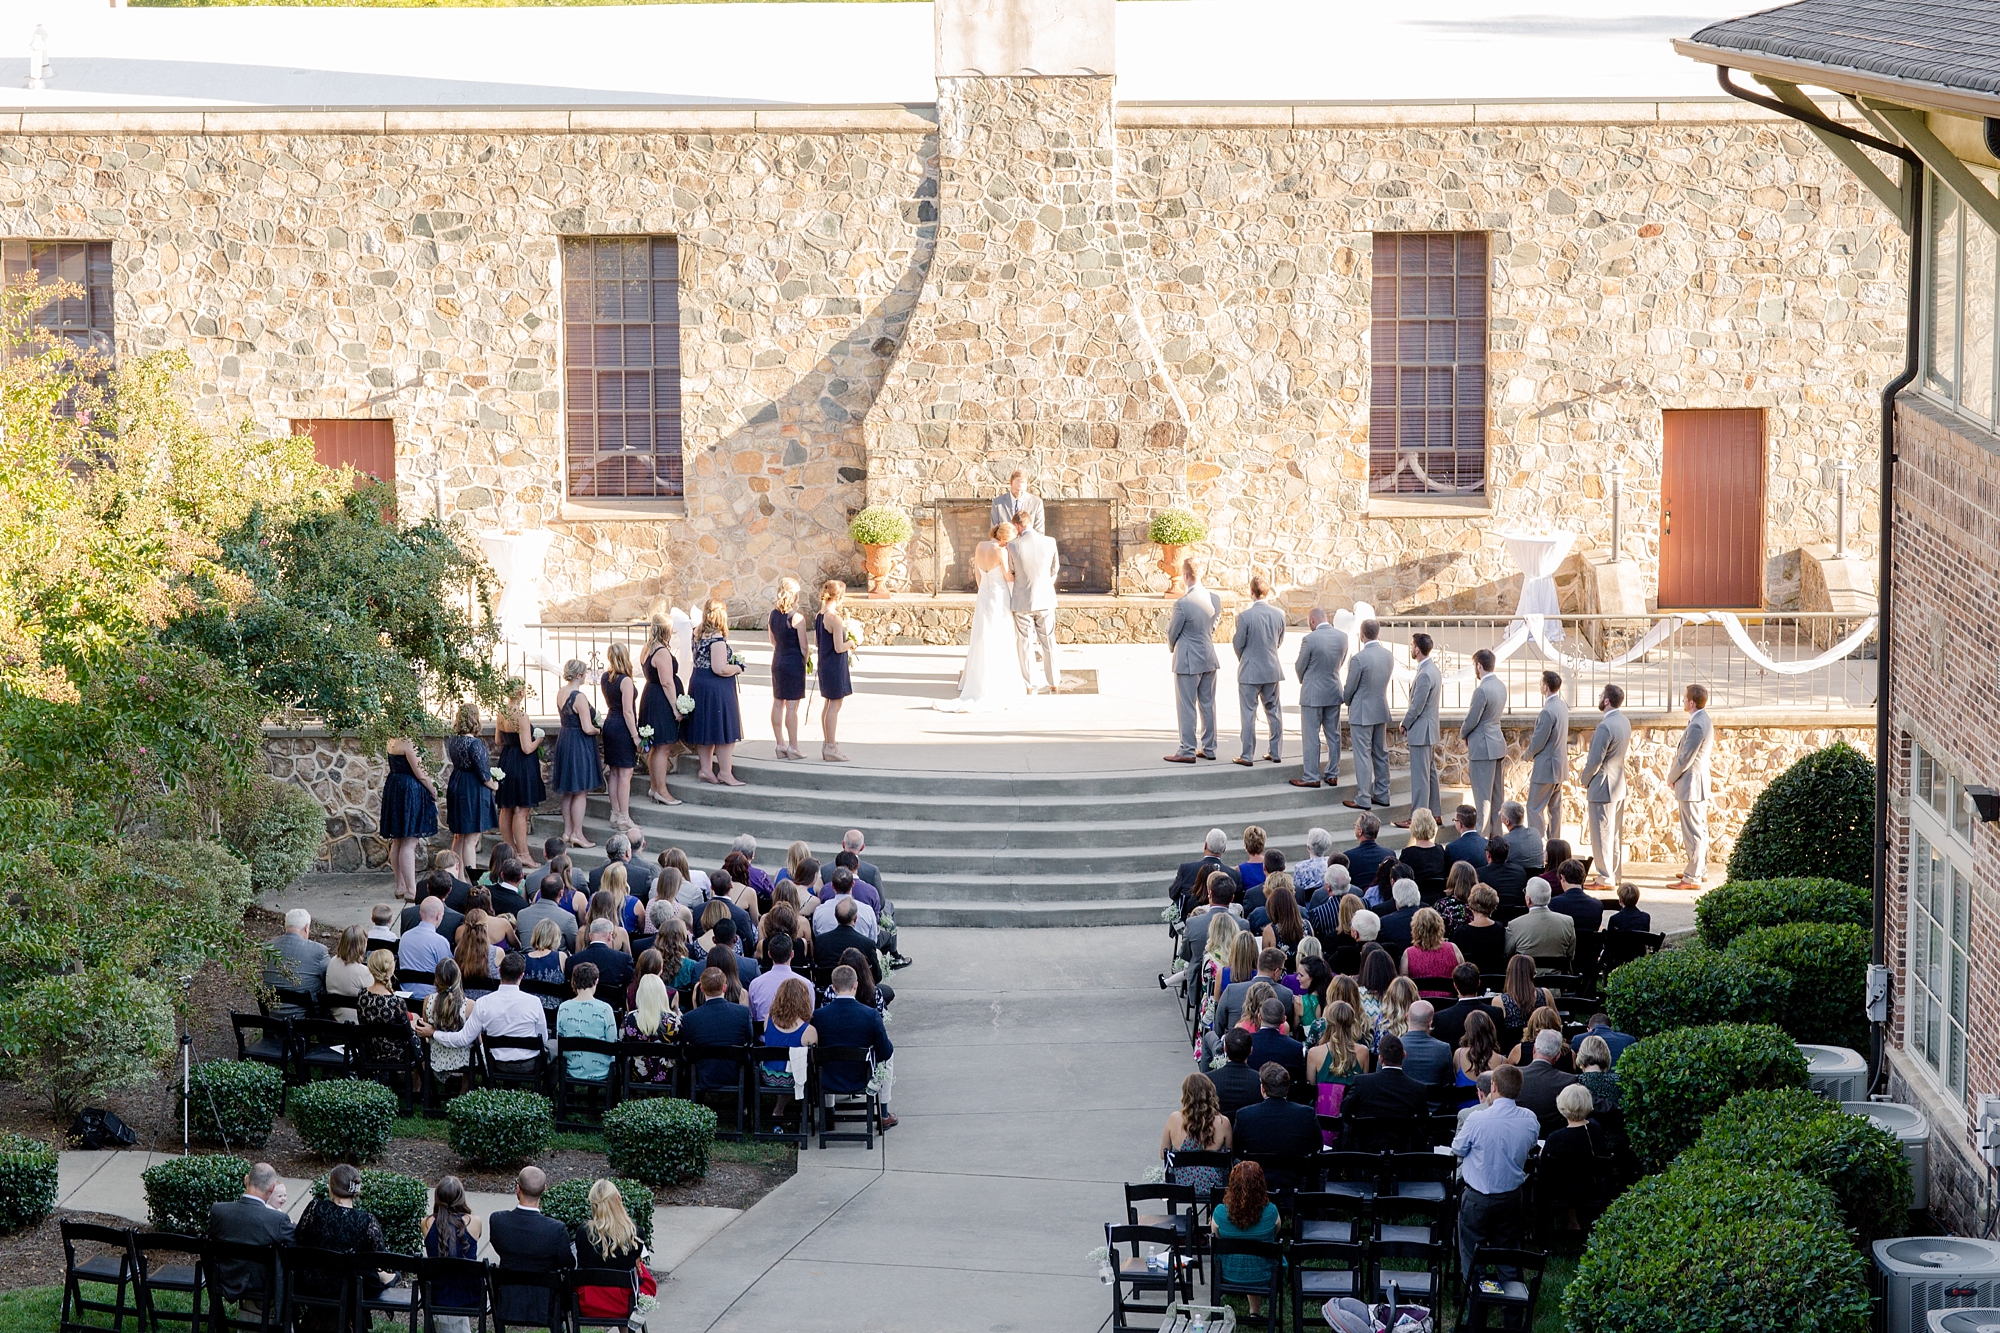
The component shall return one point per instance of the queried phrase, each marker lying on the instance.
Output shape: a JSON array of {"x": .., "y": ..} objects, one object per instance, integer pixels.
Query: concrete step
[
  {"x": 811, "y": 774},
  {"x": 860, "y": 804},
  {"x": 921, "y": 912}
]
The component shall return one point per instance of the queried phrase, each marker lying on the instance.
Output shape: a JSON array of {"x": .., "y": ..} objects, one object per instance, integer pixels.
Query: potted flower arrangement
[
  {"x": 878, "y": 530},
  {"x": 1173, "y": 531}
]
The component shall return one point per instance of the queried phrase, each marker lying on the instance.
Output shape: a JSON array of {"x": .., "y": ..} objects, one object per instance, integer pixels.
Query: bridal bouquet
[
  {"x": 497, "y": 773},
  {"x": 684, "y": 704},
  {"x": 645, "y": 733},
  {"x": 536, "y": 733}
]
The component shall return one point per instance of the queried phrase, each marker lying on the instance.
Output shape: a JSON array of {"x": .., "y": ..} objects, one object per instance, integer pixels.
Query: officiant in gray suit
[
  {"x": 1318, "y": 668},
  {"x": 1260, "y": 632},
  {"x": 1422, "y": 730},
  {"x": 1017, "y": 505},
  {"x": 1548, "y": 759},
  {"x": 1367, "y": 700},
  {"x": 1036, "y": 560},
  {"x": 1485, "y": 745},
  {"x": 1191, "y": 638}
]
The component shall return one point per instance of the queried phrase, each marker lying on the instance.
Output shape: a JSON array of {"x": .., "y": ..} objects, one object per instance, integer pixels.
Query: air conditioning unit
[
  {"x": 1920, "y": 1274},
  {"x": 1965, "y": 1321},
  {"x": 1913, "y": 1130},
  {"x": 1836, "y": 1073}
]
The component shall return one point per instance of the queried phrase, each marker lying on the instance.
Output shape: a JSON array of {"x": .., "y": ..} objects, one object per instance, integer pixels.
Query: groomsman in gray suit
[
  {"x": 1604, "y": 778},
  {"x": 1689, "y": 776},
  {"x": 1548, "y": 753},
  {"x": 1260, "y": 632},
  {"x": 1484, "y": 745},
  {"x": 1367, "y": 700},
  {"x": 1318, "y": 667},
  {"x": 1191, "y": 638},
  {"x": 1015, "y": 505},
  {"x": 1421, "y": 729}
]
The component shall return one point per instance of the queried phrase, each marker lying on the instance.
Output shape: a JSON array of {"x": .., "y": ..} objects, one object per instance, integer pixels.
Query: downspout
[{"x": 1913, "y": 194}]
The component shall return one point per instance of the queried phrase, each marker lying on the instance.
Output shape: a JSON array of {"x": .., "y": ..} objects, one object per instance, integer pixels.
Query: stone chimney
[{"x": 1028, "y": 345}]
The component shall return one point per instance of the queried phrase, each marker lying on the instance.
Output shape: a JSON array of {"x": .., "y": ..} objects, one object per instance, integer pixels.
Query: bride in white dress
[{"x": 992, "y": 676}]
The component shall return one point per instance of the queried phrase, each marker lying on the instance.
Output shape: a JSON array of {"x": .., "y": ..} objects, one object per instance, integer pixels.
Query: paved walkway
[{"x": 1034, "y": 1070}]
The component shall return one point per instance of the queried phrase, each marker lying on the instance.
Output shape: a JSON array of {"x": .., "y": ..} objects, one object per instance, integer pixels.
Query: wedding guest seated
[
  {"x": 1387, "y": 1094},
  {"x": 436, "y": 885},
  {"x": 1524, "y": 846},
  {"x": 347, "y": 972},
  {"x": 1323, "y": 910},
  {"x": 1382, "y": 895},
  {"x": 1250, "y": 874},
  {"x": 760, "y": 882},
  {"x": 845, "y": 1021},
  {"x": 1468, "y": 845},
  {"x": 1409, "y": 899},
  {"x": 831, "y": 944},
  {"x": 1236, "y": 1082},
  {"x": 1277, "y": 1124},
  {"x": 554, "y": 850},
  {"x": 1545, "y": 1019},
  {"x": 1213, "y": 844},
  {"x": 715, "y": 1021},
  {"x": 1425, "y": 859},
  {"x": 1628, "y": 916},
  {"x": 1520, "y": 996},
  {"x": 843, "y": 888},
  {"x": 1578, "y": 1163},
  {"x": 1216, "y": 898},
  {"x": 548, "y": 907},
  {"x": 1482, "y": 940},
  {"x": 1593, "y": 1071},
  {"x": 458, "y": 877},
  {"x": 452, "y": 1232},
  {"x": 382, "y": 925},
  {"x": 1542, "y": 1081},
  {"x": 295, "y": 960},
  {"x": 1483, "y": 1093},
  {"x": 1200, "y": 1125},
  {"x": 1425, "y": 1058},
  {"x": 424, "y": 946},
  {"x": 1341, "y": 1057},
  {"x": 1270, "y": 1045},
  {"x": 1540, "y": 933},
  {"x": 1368, "y": 929},
  {"x": 864, "y": 892},
  {"x": 654, "y": 1018},
  {"x": 1449, "y": 1025},
  {"x": 725, "y": 946},
  {"x": 1309, "y": 875},
  {"x": 255, "y": 1217},
  {"x": 620, "y": 851},
  {"x": 1247, "y": 1213},
  {"x": 763, "y": 989},
  {"x": 504, "y": 1012},
  {"x": 1367, "y": 855},
  {"x": 506, "y": 895},
  {"x": 528, "y": 1242},
  {"x": 336, "y": 1223},
  {"x": 1614, "y": 1041},
  {"x": 447, "y": 1009},
  {"x": 1479, "y": 1054},
  {"x": 1431, "y": 958},
  {"x": 1229, "y": 1004},
  {"x": 586, "y": 1016},
  {"x": 1582, "y": 908},
  {"x": 1455, "y": 906},
  {"x": 1506, "y": 879},
  {"x": 614, "y": 966},
  {"x": 1284, "y": 928},
  {"x": 606, "y": 1239},
  {"x": 720, "y": 887}
]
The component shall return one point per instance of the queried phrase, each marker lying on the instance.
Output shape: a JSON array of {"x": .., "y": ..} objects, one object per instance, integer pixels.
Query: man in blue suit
[
  {"x": 1470, "y": 844},
  {"x": 845, "y": 1021}
]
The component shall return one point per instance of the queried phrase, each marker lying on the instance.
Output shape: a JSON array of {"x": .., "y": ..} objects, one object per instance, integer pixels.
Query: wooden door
[
  {"x": 366, "y": 444},
  {"x": 1712, "y": 510}
]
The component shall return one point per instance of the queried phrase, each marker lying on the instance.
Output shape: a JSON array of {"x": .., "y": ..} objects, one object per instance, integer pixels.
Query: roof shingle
[{"x": 1951, "y": 43}]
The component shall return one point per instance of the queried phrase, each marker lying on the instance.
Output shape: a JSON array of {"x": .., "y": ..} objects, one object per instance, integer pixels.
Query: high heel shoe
[{"x": 830, "y": 754}]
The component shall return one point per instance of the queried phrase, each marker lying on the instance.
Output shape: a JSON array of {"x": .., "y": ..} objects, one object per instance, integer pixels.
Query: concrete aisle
[{"x": 1034, "y": 1070}]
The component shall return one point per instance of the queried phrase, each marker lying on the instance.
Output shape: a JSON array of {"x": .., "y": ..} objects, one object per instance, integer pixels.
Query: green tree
[{"x": 1816, "y": 819}]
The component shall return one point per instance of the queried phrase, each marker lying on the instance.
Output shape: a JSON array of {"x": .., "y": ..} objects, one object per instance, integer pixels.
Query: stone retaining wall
[{"x": 948, "y": 622}]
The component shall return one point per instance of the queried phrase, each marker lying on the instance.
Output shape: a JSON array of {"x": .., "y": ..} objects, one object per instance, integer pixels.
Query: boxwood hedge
[
  {"x": 1728, "y": 910},
  {"x": 181, "y": 1190},
  {"x": 1829, "y": 969},
  {"x": 1691, "y": 986},
  {"x": 399, "y": 1202},
  {"x": 1815, "y": 818},
  {"x": 232, "y": 1102},
  {"x": 1707, "y": 1248},
  {"x": 495, "y": 1126},
  {"x": 1673, "y": 1081},
  {"x": 569, "y": 1203},
  {"x": 27, "y": 1181},
  {"x": 344, "y": 1119},
  {"x": 660, "y": 1140},
  {"x": 1791, "y": 1129}
]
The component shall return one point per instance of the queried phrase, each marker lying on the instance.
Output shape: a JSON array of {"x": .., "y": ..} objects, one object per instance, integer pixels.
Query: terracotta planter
[
  {"x": 1170, "y": 565},
  {"x": 880, "y": 562}
]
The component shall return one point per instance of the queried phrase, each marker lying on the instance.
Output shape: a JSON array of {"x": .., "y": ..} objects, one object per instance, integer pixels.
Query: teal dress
[{"x": 1241, "y": 1267}]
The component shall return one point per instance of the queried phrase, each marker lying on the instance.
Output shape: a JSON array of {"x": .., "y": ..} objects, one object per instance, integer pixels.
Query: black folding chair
[
  {"x": 272, "y": 1045},
  {"x": 114, "y": 1266},
  {"x": 778, "y": 1095},
  {"x": 703, "y": 1084},
  {"x": 1132, "y": 1278},
  {"x": 1353, "y": 1175},
  {"x": 834, "y": 1109},
  {"x": 1378, "y": 1133},
  {"x": 634, "y": 1080},
  {"x": 1589, "y": 945},
  {"x": 1220, "y": 1162},
  {"x": 293, "y": 1002},
  {"x": 266, "y": 1293},
  {"x": 452, "y": 1288},
  {"x": 613, "y": 1278},
  {"x": 182, "y": 1279},
  {"x": 322, "y": 1048},
  {"x": 1413, "y": 1268},
  {"x": 1222, "y": 1249},
  {"x": 324, "y": 1281},
  {"x": 547, "y": 990},
  {"x": 508, "y": 1067},
  {"x": 1321, "y": 1270},
  {"x": 407, "y": 977},
  {"x": 1620, "y": 947},
  {"x": 525, "y": 1292},
  {"x": 1181, "y": 1214},
  {"x": 1426, "y": 1176},
  {"x": 599, "y": 1094},
  {"x": 398, "y": 1301},
  {"x": 1503, "y": 1283},
  {"x": 399, "y": 1068}
]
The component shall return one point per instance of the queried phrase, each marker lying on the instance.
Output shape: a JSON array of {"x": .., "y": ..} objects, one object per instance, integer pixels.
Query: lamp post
[
  {"x": 1840, "y": 471},
  {"x": 1617, "y": 474}
]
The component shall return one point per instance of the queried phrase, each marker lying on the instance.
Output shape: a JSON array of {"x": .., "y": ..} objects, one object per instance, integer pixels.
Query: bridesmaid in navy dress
[
  {"x": 409, "y": 812},
  {"x": 657, "y": 709},
  {"x": 621, "y": 733},
  {"x": 788, "y": 669},
  {"x": 468, "y": 794},
  {"x": 716, "y": 723},
  {"x": 522, "y": 789},
  {"x": 577, "y": 772},
  {"x": 830, "y": 637}
]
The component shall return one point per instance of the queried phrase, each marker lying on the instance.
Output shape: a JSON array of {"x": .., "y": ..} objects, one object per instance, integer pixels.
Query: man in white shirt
[
  {"x": 507, "y": 1012},
  {"x": 1492, "y": 1147},
  {"x": 843, "y": 887}
]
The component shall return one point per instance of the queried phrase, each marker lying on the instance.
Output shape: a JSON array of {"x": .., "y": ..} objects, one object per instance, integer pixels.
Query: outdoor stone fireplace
[{"x": 1085, "y": 532}]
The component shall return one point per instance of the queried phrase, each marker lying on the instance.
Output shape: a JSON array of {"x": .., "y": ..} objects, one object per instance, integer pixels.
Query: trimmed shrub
[
  {"x": 1176, "y": 527},
  {"x": 1670, "y": 1083},
  {"x": 1689, "y": 987},
  {"x": 276, "y": 827},
  {"x": 27, "y": 1181},
  {"x": 400, "y": 1203},
  {"x": 1791, "y": 1129},
  {"x": 75, "y": 1036},
  {"x": 232, "y": 1102},
  {"x": 1829, "y": 967},
  {"x": 181, "y": 1190},
  {"x": 569, "y": 1203},
  {"x": 660, "y": 1140},
  {"x": 1817, "y": 818},
  {"x": 344, "y": 1119},
  {"x": 495, "y": 1127},
  {"x": 1728, "y": 910},
  {"x": 1713, "y": 1249},
  {"x": 879, "y": 525}
]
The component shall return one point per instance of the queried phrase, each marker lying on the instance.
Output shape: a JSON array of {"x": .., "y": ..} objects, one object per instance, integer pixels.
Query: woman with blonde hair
[
  {"x": 1426, "y": 860},
  {"x": 468, "y": 793},
  {"x": 1222, "y": 933},
  {"x": 788, "y": 669},
  {"x": 1431, "y": 958},
  {"x": 795, "y": 856},
  {"x": 607, "y": 904},
  {"x": 620, "y": 733},
  {"x": 577, "y": 771},
  {"x": 347, "y": 973},
  {"x": 521, "y": 788},
  {"x": 1545, "y": 1019},
  {"x": 1339, "y": 1059},
  {"x": 657, "y": 710},
  {"x": 835, "y": 684},
  {"x": 607, "y": 1240},
  {"x": 717, "y": 721},
  {"x": 1198, "y": 1126},
  {"x": 1396, "y": 1002}
]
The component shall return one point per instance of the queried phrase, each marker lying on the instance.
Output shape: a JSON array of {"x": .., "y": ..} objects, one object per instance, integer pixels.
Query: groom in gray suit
[
  {"x": 1421, "y": 729},
  {"x": 1689, "y": 776},
  {"x": 1485, "y": 746},
  {"x": 1548, "y": 757},
  {"x": 1191, "y": 638},
  {"x": 1603, "y": 777},
  {"x": 1034, "y": 601},
  {"x": 1367, "y": 700},
  {"x": 1320, "y": 656},
  {"x": 1260, "y": 632}
]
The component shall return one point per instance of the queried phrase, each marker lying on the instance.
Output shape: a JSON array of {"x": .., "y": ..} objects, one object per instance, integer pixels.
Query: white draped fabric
[{"x": 1539, "y": 555}]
